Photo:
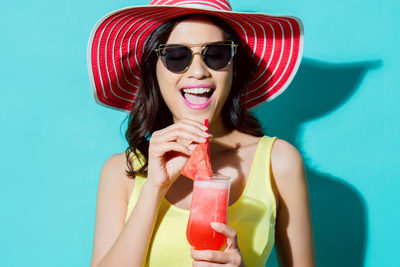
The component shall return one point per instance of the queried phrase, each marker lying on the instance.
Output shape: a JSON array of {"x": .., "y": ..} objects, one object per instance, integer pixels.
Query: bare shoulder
[
  {"x": 287, "y": 168},
  {"x": 293, "y": 229},
  {"x": 285, "y": 158},
  {"x": 111, "y": 205},
  {"x": 113, "y": 176}
]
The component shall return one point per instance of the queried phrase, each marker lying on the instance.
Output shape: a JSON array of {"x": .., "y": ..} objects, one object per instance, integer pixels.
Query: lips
[{"x": 197, "y": 96}]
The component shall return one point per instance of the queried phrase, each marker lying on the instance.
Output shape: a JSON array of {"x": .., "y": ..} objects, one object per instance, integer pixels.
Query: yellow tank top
[{"x": 252, "y": 216}]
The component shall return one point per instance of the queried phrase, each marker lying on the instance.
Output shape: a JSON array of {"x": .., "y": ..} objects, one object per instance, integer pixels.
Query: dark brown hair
[{"x": 150, "y": 113}]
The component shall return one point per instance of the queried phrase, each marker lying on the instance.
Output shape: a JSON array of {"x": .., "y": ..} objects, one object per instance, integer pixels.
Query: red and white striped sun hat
[{"x": 116, "y": 45}]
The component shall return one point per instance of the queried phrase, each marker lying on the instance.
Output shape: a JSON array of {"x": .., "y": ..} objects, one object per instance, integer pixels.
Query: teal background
[{"x": 341, "y": 112}]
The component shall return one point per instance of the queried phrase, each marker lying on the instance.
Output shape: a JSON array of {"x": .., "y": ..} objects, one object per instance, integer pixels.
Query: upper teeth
[{"x": 197, "y": 90}]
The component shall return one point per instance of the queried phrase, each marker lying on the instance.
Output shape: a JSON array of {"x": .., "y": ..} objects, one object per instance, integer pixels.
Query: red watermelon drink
[{"x": 209, "y": 204}]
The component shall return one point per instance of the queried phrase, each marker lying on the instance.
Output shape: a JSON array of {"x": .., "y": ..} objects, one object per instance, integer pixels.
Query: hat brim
[{"x": 116, "y": 45}]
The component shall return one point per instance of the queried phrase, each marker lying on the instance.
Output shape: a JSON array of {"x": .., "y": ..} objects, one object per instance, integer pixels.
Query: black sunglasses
[{"x": 177, "y": 58}]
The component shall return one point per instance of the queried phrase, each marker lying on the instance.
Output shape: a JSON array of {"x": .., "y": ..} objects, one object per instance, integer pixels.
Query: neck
[
  {"x": 217, "y": 129},
  {"x": 223, "y": 139}
]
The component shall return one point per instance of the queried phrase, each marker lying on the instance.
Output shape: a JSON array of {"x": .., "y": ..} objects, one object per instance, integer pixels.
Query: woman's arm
[
  {"x": 113, "y": 242},
  {"x": 293, "y": 236},
  {"x": 119, "y": 244}
]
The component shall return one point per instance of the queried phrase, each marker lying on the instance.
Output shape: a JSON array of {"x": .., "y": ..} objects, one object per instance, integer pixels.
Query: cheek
[
  {"x": 162, "y": 77},
  {"x": 159, "y": 72},
  {"x": 166, "y": 83},
  {"x": 165, "y": 78},
  {"x": 226, "y": 84}
]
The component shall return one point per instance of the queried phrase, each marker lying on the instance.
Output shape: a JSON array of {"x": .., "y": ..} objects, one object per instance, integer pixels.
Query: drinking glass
[{"x": 209, "y": 204}]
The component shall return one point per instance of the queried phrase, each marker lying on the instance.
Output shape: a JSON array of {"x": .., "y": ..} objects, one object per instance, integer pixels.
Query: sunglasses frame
[{"x": 203, "y": 46}]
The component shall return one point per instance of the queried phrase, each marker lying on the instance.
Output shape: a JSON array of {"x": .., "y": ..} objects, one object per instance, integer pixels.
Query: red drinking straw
[{"x": 208, "y": 144}]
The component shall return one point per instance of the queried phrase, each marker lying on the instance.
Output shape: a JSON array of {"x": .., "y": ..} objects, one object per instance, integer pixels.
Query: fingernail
[
  {"x": 204, "y": 128},
  {"x": 213, "y": 224},
  {"x": 205, "y": 134}
]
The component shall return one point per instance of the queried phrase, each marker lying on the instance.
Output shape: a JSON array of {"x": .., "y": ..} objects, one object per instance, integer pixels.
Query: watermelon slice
[{"x": 198, "y": 165}]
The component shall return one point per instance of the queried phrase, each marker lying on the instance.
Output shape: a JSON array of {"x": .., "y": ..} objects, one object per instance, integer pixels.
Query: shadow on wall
[{"x": 339, "y": 212}]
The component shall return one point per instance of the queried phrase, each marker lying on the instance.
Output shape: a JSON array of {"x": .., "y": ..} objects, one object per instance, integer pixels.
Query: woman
[{"x": 193, "y": 67}]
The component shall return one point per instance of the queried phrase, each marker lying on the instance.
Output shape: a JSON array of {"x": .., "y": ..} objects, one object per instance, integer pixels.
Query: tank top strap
[{"x": 260, "y": 186}]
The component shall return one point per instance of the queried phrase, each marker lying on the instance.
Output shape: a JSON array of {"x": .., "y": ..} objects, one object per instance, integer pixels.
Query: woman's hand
[
  {"x": 167, "y": 157},
  {"x": 231, "y": 256}
]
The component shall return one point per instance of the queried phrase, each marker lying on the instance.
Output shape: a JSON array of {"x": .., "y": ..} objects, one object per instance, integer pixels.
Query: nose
[{"x": 198, "y": 68}]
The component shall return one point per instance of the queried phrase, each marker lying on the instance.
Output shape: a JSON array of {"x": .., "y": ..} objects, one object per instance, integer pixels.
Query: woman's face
[{"x": 189, "y": 103}]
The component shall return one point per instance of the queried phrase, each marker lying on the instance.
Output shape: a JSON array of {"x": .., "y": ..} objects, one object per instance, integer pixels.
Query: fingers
[
  {"x": 205, "y": 264},
  {"x": 161, "y": 148},
  {"x": 170, "y": 139},
  {"x": 231, "y": 256},
  {"x": 195, "y": 123},
  {"x": 170, "y": 146},
  {"x": 224, "y": 229},
  {"x": 210, "y": 255},
  {"x": 174, "y": 134},
  {"x": 231, "y": 234},
  {"x": 188, "y": 122},
  {"x": 216, "y": 258},
  {"x": 185, "y": 129}
]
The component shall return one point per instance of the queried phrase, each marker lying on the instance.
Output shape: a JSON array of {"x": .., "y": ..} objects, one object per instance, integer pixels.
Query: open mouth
[{"x": 197, "y": 98}]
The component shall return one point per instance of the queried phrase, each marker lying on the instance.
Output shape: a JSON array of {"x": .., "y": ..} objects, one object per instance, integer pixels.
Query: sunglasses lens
[
  {"x": 217, "y": 56},
  {"x": 177, "y": 58}
]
